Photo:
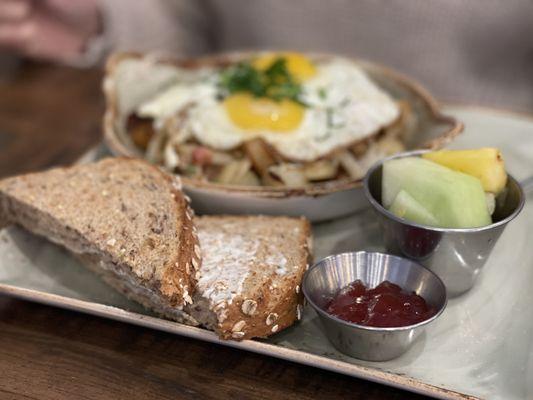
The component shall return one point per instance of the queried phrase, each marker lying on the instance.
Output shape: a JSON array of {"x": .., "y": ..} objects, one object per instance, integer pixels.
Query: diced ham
[{"x": 202, "y": 156}]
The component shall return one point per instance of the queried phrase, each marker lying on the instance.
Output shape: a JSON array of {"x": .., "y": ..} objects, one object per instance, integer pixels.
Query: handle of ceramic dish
[{"x": 527, "y": 184}]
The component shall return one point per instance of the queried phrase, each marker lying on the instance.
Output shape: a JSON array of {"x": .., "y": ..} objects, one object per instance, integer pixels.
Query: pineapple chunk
[{"x": 486, "y": 164}]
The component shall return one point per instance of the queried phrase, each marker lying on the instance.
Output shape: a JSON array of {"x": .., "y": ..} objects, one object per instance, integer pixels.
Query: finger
[
  {"x": 16, "y": 35},
  {"x": 41, "y": 37},
  {"x": 15, "y": 10},
  {"x": 82, "y": 15}
]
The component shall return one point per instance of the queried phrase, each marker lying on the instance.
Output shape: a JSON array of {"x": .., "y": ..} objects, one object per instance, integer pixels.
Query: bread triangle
[
  {"x": 128, "y": 220},
  {"x": 249, "y": 280}
]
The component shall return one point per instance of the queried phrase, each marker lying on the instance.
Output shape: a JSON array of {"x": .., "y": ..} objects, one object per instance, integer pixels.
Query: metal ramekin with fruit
[{"x": 444, "y": 209}]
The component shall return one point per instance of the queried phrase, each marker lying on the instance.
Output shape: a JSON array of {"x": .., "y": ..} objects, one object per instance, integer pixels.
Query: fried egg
[{"x": 340, "y": 105}]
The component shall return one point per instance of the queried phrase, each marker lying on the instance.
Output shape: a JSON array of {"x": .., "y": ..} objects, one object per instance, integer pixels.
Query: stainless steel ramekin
[
  {"x": 455, "y": 255},
  {"x": 331, "y": 274}
]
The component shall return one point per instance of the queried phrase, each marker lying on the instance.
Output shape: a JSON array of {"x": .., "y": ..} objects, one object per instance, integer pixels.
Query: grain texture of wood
[{"x": 49, "y": 116}]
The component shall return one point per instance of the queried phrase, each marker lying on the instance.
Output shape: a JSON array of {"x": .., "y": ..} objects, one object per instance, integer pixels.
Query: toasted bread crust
[
  {"x": 173, "y": 281},
  {"x": 178, "y": 281},
  {"x": 277, "y": 307},
  {"x": 145, "y": 295}
]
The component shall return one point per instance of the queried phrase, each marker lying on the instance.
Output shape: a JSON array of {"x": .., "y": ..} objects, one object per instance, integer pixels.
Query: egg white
[{"x": 343, "y": 107}]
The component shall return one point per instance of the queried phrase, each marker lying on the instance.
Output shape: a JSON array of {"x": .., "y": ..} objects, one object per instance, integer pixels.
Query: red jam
[{"x": 385, "y": 306}]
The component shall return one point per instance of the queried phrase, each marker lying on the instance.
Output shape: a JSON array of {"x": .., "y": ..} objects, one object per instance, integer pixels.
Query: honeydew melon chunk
[
  {"x": 456, "y": 200},
  {"x": 406, "y": 207}
]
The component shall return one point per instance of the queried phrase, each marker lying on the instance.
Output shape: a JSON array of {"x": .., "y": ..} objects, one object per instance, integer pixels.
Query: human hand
[{"x": 54, "y": 30}]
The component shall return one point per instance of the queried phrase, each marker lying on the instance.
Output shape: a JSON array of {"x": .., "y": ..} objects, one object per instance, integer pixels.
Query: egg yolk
[
  {"x": 298, "y": 65},
  {"x": 251, "y": 113}
]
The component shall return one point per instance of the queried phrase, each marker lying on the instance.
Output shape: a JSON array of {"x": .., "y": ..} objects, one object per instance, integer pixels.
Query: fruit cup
[{"x": 455, "y": 255}]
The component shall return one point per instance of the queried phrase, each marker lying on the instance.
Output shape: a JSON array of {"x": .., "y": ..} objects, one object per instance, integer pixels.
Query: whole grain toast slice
[
  {"x": 249, "y": 280},
  {"x": 128, "y": 220}
]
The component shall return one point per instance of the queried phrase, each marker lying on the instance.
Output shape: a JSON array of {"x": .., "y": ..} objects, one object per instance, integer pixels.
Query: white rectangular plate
[{"x": 480, "y": 347}]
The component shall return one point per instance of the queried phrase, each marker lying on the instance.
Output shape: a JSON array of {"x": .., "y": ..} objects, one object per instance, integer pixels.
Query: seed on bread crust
[
  {"x": 271, "y": 318},
  {"x": 197, "y": 251},
  {"x": 176, "y": 182},
  {"x": 222, "y": 315},
  {"x": 249, "y": 307},
  {"x": 219, "y": 286},
  {"x": 195, "y": 263},
  {"x": 238, "y": 326},
  {"x": 237, "y": 335},
  {"x": 219, "y": 306},
  {"x": 297, "y": 288},
  {"x": 275, "y": 328},
  {"x": 186, "y": 297},
  {"x": 299, "y": 312},
  {"x": 187, "y": 268}
]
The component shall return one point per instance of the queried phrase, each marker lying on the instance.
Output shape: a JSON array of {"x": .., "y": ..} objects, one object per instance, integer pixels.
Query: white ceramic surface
[{"x": 481, "y": 346}]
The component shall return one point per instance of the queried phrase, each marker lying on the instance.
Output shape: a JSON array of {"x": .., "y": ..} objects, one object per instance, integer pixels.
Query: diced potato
[
  {"x": 486, "y": 164},
  {"x": 234, "y": 172},
  {"x": 259, "y": 154},
  {"x": 221, "y": 158},
  {"x": 390, "y": 145},
  {"x": 350, "y": 164},
  {"x": 321, "y": 170},
  {"x": 377, "y": 150},
  {"x": 290, "y": 174},
  {"x": 249, "y": 179},
  {"x": 170, "y": 156},
  {"x": 269, "y": 180},
  {"x": 185, "y": 152},
  {"x": 174, "y": 125},
  {"x": 372, "y": 155},
  {"x": 154, "y": 151}
]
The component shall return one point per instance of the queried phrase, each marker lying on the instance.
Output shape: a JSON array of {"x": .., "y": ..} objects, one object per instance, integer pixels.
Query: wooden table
[{"x": 51, "y": 115}]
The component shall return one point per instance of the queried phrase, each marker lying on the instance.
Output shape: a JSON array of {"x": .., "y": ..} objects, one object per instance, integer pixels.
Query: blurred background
[{"x": 467, "y": 51}]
